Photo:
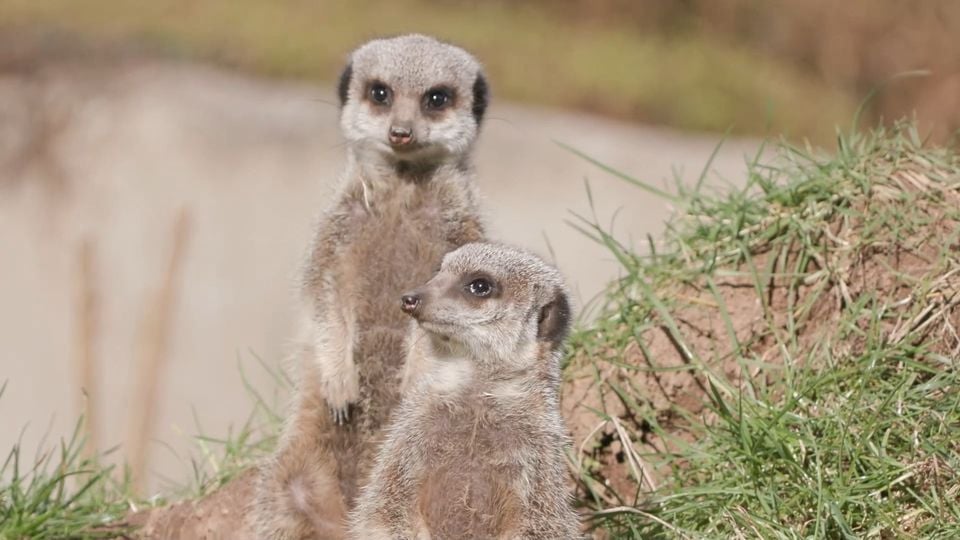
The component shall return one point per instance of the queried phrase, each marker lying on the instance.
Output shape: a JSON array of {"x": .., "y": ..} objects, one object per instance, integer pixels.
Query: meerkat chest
[
  {"x": 473, "y": 461},
  {"x": 396, "y": 222},
  {"x": 474, "y": 433},
  {"x": 396, "y": 204},
  {"x": 393, "y": 245}
]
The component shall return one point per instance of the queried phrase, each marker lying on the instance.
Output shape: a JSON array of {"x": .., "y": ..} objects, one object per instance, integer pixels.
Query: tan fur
[
  {"x": 475, "y": 449},
  {"x": 399, "y": 210},
  {"x": 301, "y": 484}
]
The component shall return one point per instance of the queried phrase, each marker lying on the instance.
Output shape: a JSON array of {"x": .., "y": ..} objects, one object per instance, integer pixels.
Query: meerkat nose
[
  {"x": 409, "y": 303},
  {"x": 401, "y": 135}
]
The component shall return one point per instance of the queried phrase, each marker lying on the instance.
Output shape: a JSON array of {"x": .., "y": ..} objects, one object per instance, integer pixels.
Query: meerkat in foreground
[
  {"x": 411, "y": 108},
  {"x": 475, "y": 449}
]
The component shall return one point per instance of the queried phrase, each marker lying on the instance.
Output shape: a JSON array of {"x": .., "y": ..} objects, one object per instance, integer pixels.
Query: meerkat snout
[
  {"x": 400, "y": 135},
  {"x": 409, "y": 303}
]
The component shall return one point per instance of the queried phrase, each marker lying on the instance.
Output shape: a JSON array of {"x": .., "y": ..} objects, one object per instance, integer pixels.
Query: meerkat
[
  {"x": 411, "y": 108},
  {"x": 476, "y": 447}
]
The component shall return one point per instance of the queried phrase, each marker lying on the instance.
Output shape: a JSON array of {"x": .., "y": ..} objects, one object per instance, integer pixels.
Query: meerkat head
[
  {"x": 493, "y": 301},
  {"x": 412, "y": 99}
]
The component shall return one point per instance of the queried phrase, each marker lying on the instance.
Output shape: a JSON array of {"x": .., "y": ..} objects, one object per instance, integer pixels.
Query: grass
[
  {"x": 225, "y": 457},
  {"x": 809, "y": 322},
  {"x": 783, "y": 363},
  {"x": 62, "y": 493},
  {"x": 58, "y": 494},
  {"x": 683, "y": 79}
]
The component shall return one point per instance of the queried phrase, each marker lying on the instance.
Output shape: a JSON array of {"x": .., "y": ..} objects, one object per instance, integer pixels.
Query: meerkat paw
[
  {"x": 341, "y": 393},
  {"x": 341, "y": 415}
]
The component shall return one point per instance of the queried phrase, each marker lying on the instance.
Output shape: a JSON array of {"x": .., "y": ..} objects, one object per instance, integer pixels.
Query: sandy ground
[{"x": 111, "y": 153}]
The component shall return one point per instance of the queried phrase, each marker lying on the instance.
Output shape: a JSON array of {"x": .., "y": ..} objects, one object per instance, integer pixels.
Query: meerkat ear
[
  {"x": 481, "y": 96},
  {"x": 344, "y": 85},
  {"x": 554, "y": 322}
]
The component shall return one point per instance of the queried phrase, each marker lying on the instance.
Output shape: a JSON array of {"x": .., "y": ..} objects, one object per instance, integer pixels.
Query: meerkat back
[{"x": 411, "y": 108}]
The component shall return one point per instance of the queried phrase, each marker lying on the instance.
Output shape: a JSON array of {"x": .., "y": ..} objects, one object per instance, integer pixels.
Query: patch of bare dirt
[{"x": 222, "y": 515}]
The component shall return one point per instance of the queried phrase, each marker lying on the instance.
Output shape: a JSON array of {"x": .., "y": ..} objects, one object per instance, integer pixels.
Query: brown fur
[
  {"x": 395, "y": 217},
  {"x": 475, "y": 450},
  {"x": 300, "y": 483},
  {"x": 388, "y": 250}
]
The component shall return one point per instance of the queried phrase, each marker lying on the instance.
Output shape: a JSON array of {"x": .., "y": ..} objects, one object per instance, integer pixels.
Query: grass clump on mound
[{"x": 786, "y": 362}]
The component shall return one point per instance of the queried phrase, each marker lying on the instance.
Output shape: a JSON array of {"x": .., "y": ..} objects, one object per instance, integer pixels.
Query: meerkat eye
[
  {"x": 437, "y": 98},
  {"x": 380, "y": 93},
  {"x": 480, "y": 287}
]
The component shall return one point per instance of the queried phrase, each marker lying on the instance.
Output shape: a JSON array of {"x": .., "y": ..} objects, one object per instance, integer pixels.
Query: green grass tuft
[
  {"x": 64, "y": 493},
  {"x": 59, "y": 494}
]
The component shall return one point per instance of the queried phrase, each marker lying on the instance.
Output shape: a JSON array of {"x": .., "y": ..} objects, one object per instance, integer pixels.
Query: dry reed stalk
[
  {"x": 85, "y": 343},
  {"x": 152, "y": 354}
]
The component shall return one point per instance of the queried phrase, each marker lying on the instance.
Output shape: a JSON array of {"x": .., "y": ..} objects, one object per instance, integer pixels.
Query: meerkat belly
[
  {"x": 469, "y": 490},
  {"x": 469, "y": 499}
]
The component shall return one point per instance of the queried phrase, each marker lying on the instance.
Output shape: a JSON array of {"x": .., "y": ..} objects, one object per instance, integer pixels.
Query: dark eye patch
[
  {"x": 379, "y": 93},
  {"x": 480, "y": 287},
  {"x": 438, "y": 98}
]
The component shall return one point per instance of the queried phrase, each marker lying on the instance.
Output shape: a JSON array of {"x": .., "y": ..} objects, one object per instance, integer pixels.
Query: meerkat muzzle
[
  {"x": 410, "y": 303},
  {"x": 401, "y": 136}
]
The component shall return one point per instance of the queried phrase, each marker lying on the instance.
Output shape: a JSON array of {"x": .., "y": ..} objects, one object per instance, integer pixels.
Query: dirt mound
[
  {"x": 224, "y": 514},
  {"x": 818, "y": 256}
]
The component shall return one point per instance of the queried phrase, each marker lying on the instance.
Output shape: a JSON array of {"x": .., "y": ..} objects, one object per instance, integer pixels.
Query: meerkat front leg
[
  {"x": 334, "y": 338},
  {"x": 387, "y": 507}
]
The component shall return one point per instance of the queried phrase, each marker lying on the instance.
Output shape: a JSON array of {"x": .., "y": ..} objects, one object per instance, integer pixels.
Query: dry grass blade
[
  {"x": 87, "y": 329},
  {"x": 155, "y": 330}
]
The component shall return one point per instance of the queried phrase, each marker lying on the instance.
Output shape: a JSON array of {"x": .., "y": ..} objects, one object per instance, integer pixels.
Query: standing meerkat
[
  {"x": 475, "y": 449},
  {"x": 411, "y": 108}
]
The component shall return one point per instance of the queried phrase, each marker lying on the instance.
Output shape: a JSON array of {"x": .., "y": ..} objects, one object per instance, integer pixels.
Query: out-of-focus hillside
[
  {"x": 793, "y": 67},
  {"x": 796, "y": 68}
]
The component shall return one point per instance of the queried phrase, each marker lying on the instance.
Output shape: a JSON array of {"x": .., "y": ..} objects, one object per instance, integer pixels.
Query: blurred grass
[{"x": 686, "y": 80}]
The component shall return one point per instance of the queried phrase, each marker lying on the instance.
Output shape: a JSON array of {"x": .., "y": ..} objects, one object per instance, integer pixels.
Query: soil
[{"x": 222, "y": 515}]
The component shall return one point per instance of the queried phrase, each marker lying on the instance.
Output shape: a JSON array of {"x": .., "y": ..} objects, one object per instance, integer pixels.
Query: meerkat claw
[{"x": 341, "y": 415}]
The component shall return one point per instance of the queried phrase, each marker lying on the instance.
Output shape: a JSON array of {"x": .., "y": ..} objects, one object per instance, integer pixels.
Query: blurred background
[{"x": 161, "y": 164}]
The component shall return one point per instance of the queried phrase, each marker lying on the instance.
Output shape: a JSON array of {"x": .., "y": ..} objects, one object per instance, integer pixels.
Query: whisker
[{"x": 333, "y": 104}]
